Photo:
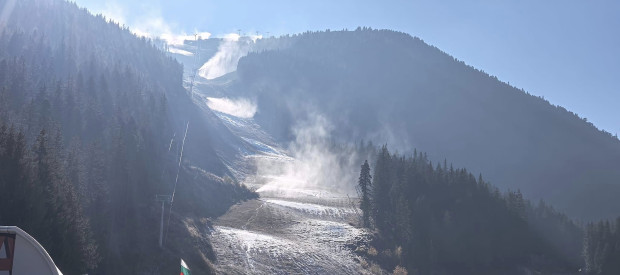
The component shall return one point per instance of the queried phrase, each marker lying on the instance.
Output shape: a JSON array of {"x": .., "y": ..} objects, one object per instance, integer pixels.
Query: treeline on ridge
[{"x": 435, "y": 219}]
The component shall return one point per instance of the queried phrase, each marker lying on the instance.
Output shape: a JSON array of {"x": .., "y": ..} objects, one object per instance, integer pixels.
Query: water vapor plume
[
  {"x": 232, "y": 48},
  {"x": 319, "y": 167}
]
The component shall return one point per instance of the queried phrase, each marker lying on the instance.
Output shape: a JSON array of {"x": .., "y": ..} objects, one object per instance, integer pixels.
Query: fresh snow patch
[
  {"x": 312, "y": 247},
  {"x": 248, "y": 239},
  {"x": 327, "y": 231},
  {"x": 241, "y": 107},
  {"x": 232, "y": 121},
  {"x": 313, "y": 209},
  {"x": 284, "y": 191},
  {"x": 293, "y": 187},
  {"x": 262, "y": 147},
  {"x": 253, "y": 244},
  {"x": 179, "y": 51}
]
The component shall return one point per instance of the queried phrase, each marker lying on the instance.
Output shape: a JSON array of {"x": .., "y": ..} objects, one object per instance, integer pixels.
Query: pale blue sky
[{"x": 565, "y": 50}]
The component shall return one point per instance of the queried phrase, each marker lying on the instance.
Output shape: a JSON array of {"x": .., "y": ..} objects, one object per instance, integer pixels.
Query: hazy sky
[{"x": 565, "y": 50}]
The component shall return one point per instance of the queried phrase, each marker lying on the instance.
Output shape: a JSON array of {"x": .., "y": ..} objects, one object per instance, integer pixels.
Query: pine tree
[
  {"x": 67, "y": 235},
  {"x": 364, "y": 187},
  {"x": 13, "y": 174}
]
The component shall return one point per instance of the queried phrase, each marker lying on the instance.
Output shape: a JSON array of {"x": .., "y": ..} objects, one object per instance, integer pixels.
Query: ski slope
[{"x": 295, "y": 227}]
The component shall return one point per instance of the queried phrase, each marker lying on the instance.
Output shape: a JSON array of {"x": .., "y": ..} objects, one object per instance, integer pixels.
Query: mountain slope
[
  {"x": 390, "y": 87},
  {"x": 113, "y": 112}
]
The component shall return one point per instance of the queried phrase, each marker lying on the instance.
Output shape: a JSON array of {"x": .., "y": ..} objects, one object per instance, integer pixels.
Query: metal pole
[
  {"x": 161, "y": 227},
  {"x": 163, "y": 199}
]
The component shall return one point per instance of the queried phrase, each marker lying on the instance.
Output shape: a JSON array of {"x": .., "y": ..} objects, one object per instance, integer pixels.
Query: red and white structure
[{"x": 20, "y": 253}]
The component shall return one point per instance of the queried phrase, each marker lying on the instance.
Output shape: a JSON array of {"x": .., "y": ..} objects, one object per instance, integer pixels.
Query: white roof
[{"x": 29, "y": 257}]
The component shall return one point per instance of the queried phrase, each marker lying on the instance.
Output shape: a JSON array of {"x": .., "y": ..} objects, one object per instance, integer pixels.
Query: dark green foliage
[
  {"x": 99, "y": 107},
  {"x": 601, "y": 247},
  {"x": 14, "y": 171},
  {"x": 560, "y": 232},
  {"x": 67, "y": 233},
  {"x": 446, "y": 221},
  {"x": 364, "y": 185},
  {"x": 36, "y": 191}
]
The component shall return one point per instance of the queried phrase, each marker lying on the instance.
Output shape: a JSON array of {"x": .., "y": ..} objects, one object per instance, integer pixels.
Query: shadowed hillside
[
  {"x": 390, "y": 87},
  {"x": 92, "y": 124}
]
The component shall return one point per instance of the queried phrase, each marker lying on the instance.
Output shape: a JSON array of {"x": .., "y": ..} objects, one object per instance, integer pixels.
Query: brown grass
[
  {"x": 399, "y": 270},
  {"x": 372, "y": 251}
]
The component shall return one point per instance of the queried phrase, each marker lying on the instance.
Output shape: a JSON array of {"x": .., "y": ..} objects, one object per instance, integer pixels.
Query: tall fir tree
[{"x": 364, "y": 183}]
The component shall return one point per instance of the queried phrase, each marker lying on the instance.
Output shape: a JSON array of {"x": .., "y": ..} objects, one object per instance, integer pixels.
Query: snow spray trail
[
  {"x": 299, "y": 226},
  {"x": 295, "y": 228}
]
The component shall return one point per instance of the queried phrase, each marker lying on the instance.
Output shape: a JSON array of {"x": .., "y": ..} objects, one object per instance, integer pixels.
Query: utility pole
[{"x": 164, "y": 199}]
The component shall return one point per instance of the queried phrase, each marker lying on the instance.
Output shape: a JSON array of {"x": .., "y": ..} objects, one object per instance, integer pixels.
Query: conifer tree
[{"x": 364, "y": 187}]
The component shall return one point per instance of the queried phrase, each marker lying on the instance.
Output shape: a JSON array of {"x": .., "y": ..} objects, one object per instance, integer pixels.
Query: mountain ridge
[{"x": 399, "y": 86}]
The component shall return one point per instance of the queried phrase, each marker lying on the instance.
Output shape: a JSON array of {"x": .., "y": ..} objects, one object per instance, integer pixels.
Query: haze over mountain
[
  {"x": 561, "y": 50},
  {"x": 244, "y": 153},
  {"x": 389, "y": 87}
]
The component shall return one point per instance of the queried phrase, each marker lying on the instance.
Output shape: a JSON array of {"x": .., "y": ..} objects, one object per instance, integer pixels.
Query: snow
[
  {"x": 310, "y": 247},
  {"x": 241, "y": 107},
  {"x": 232, "y": 121},
  {"x": 179, "y": 51},
  {"x": 313, "y": 209},
  {"x": 262, "y": 147},
  {"x": 250, "y": 240},
  {"x": 252, "y": 243},
  {"x": 298, "y": 226},
  {"x": 327, "y": 231},
  {"x": 225, "y": 60}
]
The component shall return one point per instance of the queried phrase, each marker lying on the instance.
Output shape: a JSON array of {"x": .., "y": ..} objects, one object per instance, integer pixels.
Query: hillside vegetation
[
  {"x": 92, "y": 122},
  {"x": 391, "y": 87}
]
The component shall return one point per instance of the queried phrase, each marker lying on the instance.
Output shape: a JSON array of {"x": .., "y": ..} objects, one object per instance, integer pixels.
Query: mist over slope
[
  {"x": 392, "y": 88},
  {"x": 93, "y": 126}
]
